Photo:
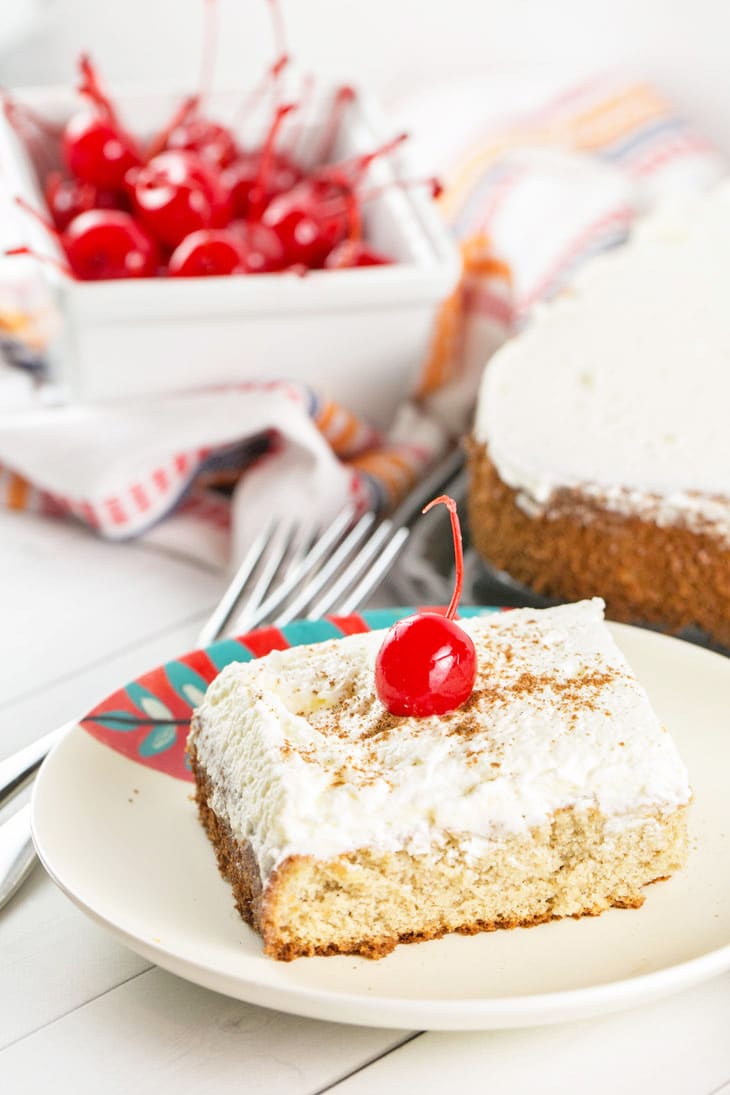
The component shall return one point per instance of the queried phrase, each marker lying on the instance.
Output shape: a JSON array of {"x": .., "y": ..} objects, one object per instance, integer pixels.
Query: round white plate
[{"x": 123, "y": 841}]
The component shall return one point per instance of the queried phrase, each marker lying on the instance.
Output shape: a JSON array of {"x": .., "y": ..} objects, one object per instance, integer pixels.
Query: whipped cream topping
[
  {"x": 305, "y": 760},
  {"x": 620, "y": 387}
]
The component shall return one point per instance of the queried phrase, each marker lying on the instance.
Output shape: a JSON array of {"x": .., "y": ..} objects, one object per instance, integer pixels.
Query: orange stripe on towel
[
  {"x": 325, "y": 416},
  {"x": 391, "y": 468},
  {"x": 614, "y": 118},
  {"x": 17, "y": 492},
  {"x": 341, "y": 442},
  {"x": 444, "y": 356}
]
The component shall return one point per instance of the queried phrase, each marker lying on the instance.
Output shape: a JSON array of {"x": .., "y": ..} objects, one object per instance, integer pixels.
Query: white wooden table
[{"x": 79, "y": 1012}]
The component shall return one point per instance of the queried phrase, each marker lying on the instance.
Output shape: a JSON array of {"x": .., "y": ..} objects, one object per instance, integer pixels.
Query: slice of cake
[
  {"x": 600, "y": 460},
  {"x": 554, "y": 791}
]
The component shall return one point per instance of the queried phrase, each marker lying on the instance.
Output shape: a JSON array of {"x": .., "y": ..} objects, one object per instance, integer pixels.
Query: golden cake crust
[
  {"x": 269, "y": 910},
  {"x": 672, "y": 576}
]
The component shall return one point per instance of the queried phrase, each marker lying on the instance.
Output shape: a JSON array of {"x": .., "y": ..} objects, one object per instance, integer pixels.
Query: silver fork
[
  {"x": 264, "y": 560},
  {"x": 281, "y": 571}
]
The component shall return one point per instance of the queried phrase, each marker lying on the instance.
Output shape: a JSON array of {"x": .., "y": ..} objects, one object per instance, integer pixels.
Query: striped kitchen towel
[{"x": 530, "y": 194}]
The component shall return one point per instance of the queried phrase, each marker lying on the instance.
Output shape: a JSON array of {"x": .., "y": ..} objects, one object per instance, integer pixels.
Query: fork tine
[
  {"x": 351, "y": 572},
  {"x": 323, "y": 575},
  {"x": 305, "y": 566},
  {"x": 215, "y": 626},
  {"x": 272, "y": 558},
  {"x": 352, "y": 601}
]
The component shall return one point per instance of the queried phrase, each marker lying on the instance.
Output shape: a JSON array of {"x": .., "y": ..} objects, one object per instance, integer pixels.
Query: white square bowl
[{"x": 358, "y": 336}]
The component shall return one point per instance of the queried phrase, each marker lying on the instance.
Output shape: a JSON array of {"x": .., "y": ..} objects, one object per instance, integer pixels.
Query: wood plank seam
[
  {"x": 79, "y": 1007},
  {"x": 371, "y": 1061}
]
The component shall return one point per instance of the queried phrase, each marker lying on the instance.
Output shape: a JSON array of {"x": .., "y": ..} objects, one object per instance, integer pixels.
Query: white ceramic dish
[
  {"x": 124, "y": 843},
  {"x": 359, "y": 336}
]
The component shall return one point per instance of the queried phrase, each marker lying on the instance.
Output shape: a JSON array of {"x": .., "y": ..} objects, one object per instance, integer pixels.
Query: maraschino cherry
[
  {"x": 354, "y": 251},
  {"x": 96, "y": 147},
  {"x": 310, "y": 219},
  {"x": 427, "y": 664},
  {"x": 315, "y": 215},
  {"x": 66, "y": 198},
  {"x": 176, "y": 194},
  {"x": 107, "y": 243},
  {"x": 101, "y": 244},
  {"x": 208, "y": 253},
  {"x": 190, "y": 129},
  {"x": 212, "y": 142},
  {"x": 259, "y": 210}
]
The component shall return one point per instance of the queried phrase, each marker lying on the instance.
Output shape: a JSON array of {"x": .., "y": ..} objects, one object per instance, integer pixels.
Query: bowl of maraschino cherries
[{"x": 270, "y": 232}]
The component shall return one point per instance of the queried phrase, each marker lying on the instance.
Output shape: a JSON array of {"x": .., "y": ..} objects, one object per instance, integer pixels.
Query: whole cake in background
[
  {"x": 600, "y": 456},
  {"x": 345, "y": 829}
]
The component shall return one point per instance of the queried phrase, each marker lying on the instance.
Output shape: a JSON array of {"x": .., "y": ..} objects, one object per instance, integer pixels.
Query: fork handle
[
  {"x": 14, "y": 770},
  {"x": 17, "y": 854}
]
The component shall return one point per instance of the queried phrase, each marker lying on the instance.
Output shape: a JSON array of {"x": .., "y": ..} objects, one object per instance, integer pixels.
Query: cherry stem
[
  {"x": 159, "y": 142},
  {"x": 210, "y": 42},
  {"x": 49, "y": 259},
  {"x": 305, "y": 98},
  {"x": 90, "y": 86},
  {"x": 277, "y": 25},
  {"x": 267, "y": 153},
  {"x": 342, "y": 99},
  {"x": 252, "y": 100},
  {"x": 333, "y": 205},
  {"x": 354, "y": 220},
  {"x": 458, "y": 550},
  {"x": 358, "y": 165},
  {"x": 48, "y": 225},
  {"x": 433, "y": 184},
  {"x": 17, "y": 113}
]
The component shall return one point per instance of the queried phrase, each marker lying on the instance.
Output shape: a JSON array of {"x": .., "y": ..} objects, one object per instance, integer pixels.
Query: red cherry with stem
[
  {"x": 356, "y": 252},
  {"x": 427, "y": 663},
  {"x": 66, "y": 198},
  {"x": 103, "y": 243},
  {"x": 108, "y": 243},
  {"x": 257, "y": 177},
  {"x": 307, "y": 221},
  {"x": 95, "y": 152},
  {"x": 259, "y": 194},
  {"x": 314, "y": 216},
  {"x": 241, "y": 177},
  {"x": 176, "y": 194},
  {"x": 208, "y": 253},
  {"x": 353, "y": 251},
  {"x": 96, "y": 148},
  {"x": 188, "y": 128},
  {"x": 213, "y": 143}
]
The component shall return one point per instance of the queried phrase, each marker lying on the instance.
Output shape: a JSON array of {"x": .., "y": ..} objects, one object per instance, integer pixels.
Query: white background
[{"x": 384, "y": 44}]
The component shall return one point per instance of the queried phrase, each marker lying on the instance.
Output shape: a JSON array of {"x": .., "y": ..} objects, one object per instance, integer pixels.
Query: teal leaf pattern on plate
[
  {"x": 158, "y": 740},
  {"x": 188, "y": 684}
]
